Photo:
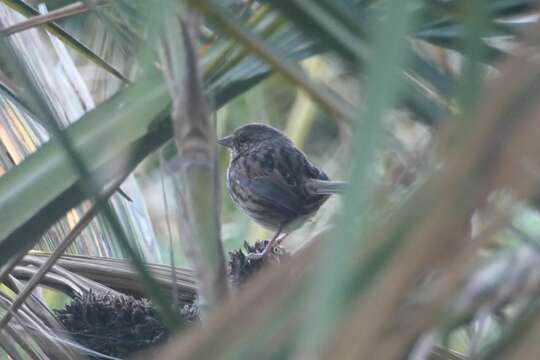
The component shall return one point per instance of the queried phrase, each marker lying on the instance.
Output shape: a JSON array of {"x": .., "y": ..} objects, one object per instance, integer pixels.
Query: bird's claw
[
  {"x": 257, "y": 256},
  {"x": 266, "y": 254}
]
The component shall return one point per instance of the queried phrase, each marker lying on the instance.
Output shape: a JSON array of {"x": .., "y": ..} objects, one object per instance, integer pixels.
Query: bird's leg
[
  {"x": 269, "y": 247},
  {"x": 280, "y": 240}
]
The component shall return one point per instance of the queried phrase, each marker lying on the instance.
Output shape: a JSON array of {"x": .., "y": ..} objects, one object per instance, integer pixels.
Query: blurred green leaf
[
  {"x": 276, "y": 59},
  {"x": 340, "y": 26},
  {"x": 44, "y": 186},
  {"x": 330, "y": 289}
]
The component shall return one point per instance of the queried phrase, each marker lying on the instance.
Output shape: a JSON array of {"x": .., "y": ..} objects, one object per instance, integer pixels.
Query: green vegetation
[{"x": 428, "y": 108}]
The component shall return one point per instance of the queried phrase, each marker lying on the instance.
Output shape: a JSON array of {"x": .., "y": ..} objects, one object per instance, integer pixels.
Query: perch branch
[{"x": 195, "y": 172}]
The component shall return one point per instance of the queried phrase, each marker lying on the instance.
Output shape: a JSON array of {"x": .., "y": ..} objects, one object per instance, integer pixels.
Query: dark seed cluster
[
  {"x": 242, "y": 267},
  {"x": 112, "y": 325},
  {"x": 121, "y": 325}
]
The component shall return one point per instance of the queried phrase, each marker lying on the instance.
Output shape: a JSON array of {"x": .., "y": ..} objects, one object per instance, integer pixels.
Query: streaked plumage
[{"x": 271, "y": 179}]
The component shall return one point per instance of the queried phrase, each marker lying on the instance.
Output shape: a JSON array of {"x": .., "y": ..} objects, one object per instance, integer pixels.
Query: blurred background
[{"x": 428, "y": 108}]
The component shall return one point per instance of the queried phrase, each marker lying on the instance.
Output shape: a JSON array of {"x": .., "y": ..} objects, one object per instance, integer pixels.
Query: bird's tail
[{"x": 326, "y": 187}]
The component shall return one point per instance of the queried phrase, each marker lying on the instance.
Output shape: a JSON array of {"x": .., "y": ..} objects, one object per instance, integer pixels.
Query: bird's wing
[
  {"x": 274, "y": 176},
  {"x": 273, "y": 193}
]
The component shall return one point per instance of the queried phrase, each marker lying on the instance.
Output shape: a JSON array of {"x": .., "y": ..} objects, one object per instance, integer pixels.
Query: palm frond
[
  {"x": 395, "y": 278},
  {"x": 27, "y": 10}
]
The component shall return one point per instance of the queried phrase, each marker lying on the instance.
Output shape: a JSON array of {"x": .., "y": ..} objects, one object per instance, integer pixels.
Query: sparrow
[{"x": 273, "y": 182}]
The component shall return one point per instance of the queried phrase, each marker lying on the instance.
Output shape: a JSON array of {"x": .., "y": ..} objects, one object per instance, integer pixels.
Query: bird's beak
[{"x": 226, "y": 141}]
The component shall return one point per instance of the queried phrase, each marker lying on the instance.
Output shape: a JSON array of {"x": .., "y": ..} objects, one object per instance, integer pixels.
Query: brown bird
[{"x": 273, "y": 182}]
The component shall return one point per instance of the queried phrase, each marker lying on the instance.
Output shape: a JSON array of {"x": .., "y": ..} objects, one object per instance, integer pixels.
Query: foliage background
[{"x": 427, "y": 107}]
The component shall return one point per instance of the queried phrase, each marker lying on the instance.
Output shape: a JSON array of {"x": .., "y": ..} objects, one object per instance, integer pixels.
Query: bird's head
[{"x": 247, "y": 136}]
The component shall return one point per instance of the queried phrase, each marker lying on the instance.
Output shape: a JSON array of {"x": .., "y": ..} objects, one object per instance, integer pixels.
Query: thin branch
[
  {"x": 58, "y": 14},
  {"x": 26, "y": 10},
  {"x": 195, "y": 176}
]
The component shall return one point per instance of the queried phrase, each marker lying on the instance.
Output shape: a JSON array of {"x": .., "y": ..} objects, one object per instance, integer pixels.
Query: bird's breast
[{"x": 288, "y": 180}]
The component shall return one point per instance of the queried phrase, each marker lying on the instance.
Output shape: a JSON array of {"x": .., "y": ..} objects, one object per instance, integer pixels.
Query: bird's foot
[
  {"x": 260, "y": 255},
  {"x": 256, "y": 256},
  {"x": 269, "y": 251}
]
